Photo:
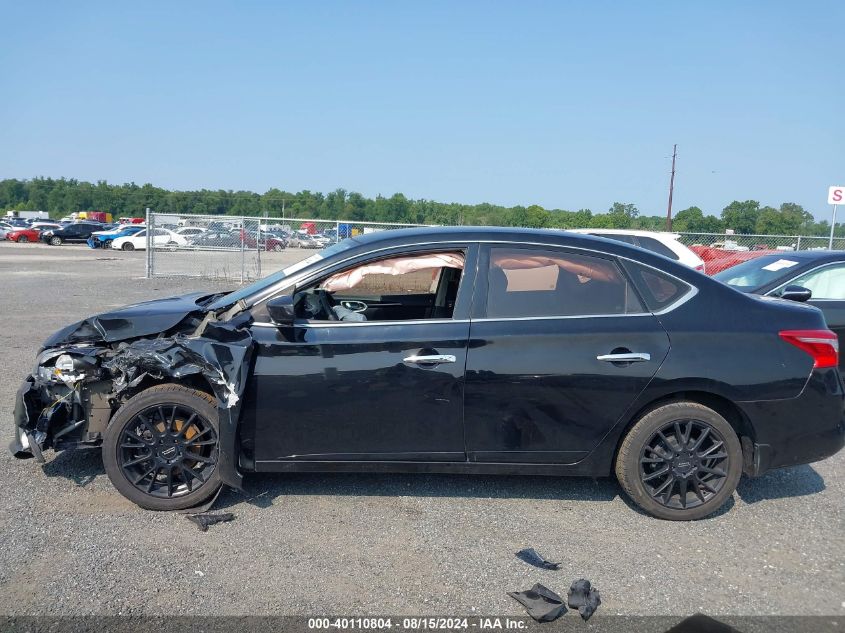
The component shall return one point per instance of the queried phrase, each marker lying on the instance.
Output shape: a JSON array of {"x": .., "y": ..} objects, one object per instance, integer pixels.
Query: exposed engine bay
[{"x": 86, "y": 371}]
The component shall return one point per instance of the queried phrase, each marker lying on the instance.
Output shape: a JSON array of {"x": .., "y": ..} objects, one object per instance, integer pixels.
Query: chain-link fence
[
  {"x": 724, "y": 250},
  {"x": 240, "y": 248},
  {"x": 742, "y": 243}
]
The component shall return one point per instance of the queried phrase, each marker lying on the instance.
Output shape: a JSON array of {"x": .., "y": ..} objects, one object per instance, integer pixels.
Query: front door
[
  {"x": 559, "y": 353},
  {"x": 382, "y": 389}
]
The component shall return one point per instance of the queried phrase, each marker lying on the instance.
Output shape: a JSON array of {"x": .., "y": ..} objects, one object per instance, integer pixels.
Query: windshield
[
  {"x": 755, "y": 273},
  {"x": 281, "y": 274}
]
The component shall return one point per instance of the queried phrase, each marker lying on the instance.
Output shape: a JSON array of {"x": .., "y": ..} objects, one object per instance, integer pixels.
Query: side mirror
[
  {"x": 281, "y": 310},
  {"x": 796, "y": 293}
]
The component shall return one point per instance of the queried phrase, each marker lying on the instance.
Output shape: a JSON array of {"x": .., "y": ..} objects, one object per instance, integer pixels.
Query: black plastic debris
[
  {"x": 533, "y": 557},
  {"x": 584, "y": 597},
  {"x": 541, "y": 603},
  {"x": 203, "y": 520}
]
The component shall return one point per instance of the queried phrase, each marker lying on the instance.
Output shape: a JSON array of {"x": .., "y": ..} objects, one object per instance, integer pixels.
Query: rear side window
[
  {"x": 528, "y": 282},
  {"x": 658, "y": 289},
  {"x": 656, "y": 246}
]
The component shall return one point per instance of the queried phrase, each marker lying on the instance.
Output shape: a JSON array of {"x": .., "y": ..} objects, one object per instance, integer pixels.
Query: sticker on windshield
[{"x": 780, "y": 265}]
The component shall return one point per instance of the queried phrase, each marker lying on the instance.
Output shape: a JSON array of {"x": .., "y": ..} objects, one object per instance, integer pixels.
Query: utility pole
[{"x": 671, "y": 189}]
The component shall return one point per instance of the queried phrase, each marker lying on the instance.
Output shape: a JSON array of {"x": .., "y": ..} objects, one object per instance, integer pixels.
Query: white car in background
[
  {"x": 191, "y": 232},
  {"x": 5, "y": 227},
  {"x": 665, "y": 244},
  {"x": 138, "y": 242}
]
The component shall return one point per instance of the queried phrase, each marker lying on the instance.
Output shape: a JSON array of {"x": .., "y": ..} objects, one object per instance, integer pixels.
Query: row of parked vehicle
[{"x": 129, "y": 237}]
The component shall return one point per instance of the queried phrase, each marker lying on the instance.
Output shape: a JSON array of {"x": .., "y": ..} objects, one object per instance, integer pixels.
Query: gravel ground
[{"x": 374, "y": 544}]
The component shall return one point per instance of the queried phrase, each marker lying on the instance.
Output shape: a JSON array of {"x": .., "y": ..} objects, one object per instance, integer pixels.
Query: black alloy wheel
[
  {"x": 683, "y": 464},
  {"x": 167, "y": 450},
  {"x": 680, "y": 461},
  {"x": 160, "y": 449}
]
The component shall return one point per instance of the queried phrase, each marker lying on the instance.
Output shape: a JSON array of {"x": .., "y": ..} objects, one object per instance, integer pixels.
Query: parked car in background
[
  {"x": 215, "y": 239},
  {"x": 305, "y": 240},
  {"x": 717, "y": 258},
  {"x": 72, "y": 233},
  {"x": 665, "y": 244},
  {"x": 138, "y": 241},
  {"x": 190, "y": 232},
  {"x": 814, "y": 277},
  {"x": 266, "y": 241},
  {"x": 104, "y": 239},
  {"x": 23, "y": 235},
  {"x": 45, "y": 226},
  {"x": 4, "y": 228},
  {"x": 455, "y": 350}
]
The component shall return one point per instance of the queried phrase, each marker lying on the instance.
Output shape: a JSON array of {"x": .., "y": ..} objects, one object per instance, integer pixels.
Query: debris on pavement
[
  {"x": 540, "y": 602},
  {"x": 533, "y": 557},
  {"x": 584, "y": 597},
  {"x": 204, "y": 519}
]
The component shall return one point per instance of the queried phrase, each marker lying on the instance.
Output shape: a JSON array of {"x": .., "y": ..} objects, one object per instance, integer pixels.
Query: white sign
[{"x": 836, "y": 195}]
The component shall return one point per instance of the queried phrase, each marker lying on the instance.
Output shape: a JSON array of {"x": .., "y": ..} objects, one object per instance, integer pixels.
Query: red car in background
[
  {"x": 718, "y": 259},
  {"x": 268, "y": 242},
  {"x": 24, "y": 235}
]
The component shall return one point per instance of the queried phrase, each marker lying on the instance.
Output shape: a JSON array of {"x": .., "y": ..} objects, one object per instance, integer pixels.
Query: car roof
[
  {"x": 558, "y": 237},
  {"x": 643, "y": 233}
]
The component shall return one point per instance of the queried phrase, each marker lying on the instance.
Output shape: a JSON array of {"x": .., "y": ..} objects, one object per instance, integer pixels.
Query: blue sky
[{"x": 563, "y": 104}]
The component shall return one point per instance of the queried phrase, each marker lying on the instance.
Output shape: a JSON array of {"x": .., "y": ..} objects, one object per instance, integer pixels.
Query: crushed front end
[{"x": 67, "y": 401}]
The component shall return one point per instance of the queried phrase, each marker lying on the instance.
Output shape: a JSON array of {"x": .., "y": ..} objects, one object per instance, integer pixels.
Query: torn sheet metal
[
  {"x": 222, "y": 355},
  {"x": 584, "y": 597},
  {"x": 533, "y": 557},
  {"x": 203, "y": 520},
  {"x": 540, "y": 602}
]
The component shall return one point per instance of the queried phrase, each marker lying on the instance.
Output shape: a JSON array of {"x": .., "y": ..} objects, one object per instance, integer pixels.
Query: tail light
[
  {"x": 822, "y": 345},
  {"x": 701, "y": 268}
]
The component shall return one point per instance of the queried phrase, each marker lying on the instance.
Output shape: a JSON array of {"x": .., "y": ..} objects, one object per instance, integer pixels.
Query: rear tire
[
  {"x": 128, "y": 246},
  {"x": 680, "y": 461},
  {"x": 160, "y": 449}
]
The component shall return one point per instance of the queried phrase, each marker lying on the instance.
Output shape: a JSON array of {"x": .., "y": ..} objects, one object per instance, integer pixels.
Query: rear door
[{"x": 560, "y": 346}]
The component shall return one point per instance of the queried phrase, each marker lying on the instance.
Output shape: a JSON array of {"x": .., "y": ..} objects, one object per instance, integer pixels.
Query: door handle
[
  {"x": 434, "y": 359},
  {"x": 628, "y": 357}
]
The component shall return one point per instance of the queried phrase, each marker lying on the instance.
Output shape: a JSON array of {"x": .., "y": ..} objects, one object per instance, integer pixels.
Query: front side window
[
  {"x": 528, "y": 282},
  {"x": 825, "y": 283},
  {"x": 418, "y": 286}
]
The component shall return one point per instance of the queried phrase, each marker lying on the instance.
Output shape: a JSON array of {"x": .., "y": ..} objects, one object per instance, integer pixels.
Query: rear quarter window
[{"x": 658, "y": 289}]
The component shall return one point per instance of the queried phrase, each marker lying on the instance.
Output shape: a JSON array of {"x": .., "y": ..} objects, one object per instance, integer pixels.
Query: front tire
[
  {"x": 128, "y": 246},
  {"x": 680, "y": 461},
  {"x": 160, "y": 449},
  {"x": 23, "y": 239},
  {"x": 56, "y": 240}
]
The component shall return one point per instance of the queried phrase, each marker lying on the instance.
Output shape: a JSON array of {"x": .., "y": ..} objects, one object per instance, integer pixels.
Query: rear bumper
[{"x": 800, "y": 430}]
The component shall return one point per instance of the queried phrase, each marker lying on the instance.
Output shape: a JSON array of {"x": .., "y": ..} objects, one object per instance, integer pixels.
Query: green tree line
[{"x": 63, "y": 196}]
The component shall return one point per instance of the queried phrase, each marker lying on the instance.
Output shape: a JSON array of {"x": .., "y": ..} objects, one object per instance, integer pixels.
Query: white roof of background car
[{"x": 642, "y": 232}]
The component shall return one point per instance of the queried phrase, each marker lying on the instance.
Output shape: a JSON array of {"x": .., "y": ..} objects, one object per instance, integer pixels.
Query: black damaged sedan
[{"x": 451, "y": 350}]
